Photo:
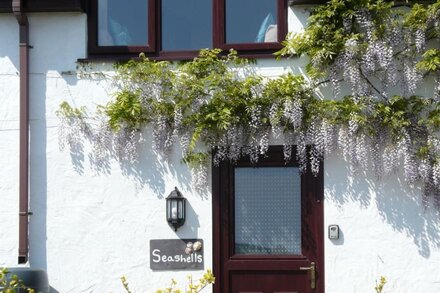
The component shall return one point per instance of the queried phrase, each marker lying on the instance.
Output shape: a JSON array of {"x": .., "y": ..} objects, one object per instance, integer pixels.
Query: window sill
[
  {"x": 306, "y": 2},
  {"x": 170, "y": 56}
]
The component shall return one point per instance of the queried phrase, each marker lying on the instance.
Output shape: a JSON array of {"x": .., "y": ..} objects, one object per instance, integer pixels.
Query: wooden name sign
[{"x": 176, "y": 254}]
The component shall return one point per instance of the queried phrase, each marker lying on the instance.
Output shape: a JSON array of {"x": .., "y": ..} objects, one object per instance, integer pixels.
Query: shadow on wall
[
  {"x": 38, "y": 173},
  {"x": 9, "y": 33},
  {"x": 149, "y": 168},
  {"x": 189, "y": 231},
  {"x": 399, "y": 205},
  {"x": 408, "y": 212}
]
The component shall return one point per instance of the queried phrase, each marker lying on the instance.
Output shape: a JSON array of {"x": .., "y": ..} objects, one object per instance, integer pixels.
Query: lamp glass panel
[
  {"x": 180, "y": 209},
  {"x": 168, "y": 210},
  {"x": 174, "y": 209}
]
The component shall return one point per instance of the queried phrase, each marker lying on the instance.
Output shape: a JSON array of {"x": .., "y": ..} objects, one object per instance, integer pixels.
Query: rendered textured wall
[
  {"x": 9, "y": 101},
  {"x": 90, "y": 226}
]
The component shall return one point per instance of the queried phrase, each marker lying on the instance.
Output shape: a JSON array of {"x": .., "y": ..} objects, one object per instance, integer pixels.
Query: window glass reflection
[
  {"x": 186, "y": 25},
  {"x": 251, "y": 21},
  {"x": 122, "y": 23}
]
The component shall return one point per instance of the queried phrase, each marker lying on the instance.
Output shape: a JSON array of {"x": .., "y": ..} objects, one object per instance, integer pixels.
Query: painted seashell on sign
[
  {"x": 188, "y": 250},
  {"x": 197, "y": 246}
]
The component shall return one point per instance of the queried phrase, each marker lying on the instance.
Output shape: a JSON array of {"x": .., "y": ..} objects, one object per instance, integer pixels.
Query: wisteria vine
[{"x": 375, "y": 57}]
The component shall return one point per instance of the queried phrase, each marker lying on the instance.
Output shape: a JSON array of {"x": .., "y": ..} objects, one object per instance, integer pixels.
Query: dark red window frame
[{"x": 153, "y": 50}]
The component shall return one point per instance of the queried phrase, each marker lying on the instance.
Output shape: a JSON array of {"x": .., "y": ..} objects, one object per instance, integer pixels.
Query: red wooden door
[{"x": 268, "y": 227}]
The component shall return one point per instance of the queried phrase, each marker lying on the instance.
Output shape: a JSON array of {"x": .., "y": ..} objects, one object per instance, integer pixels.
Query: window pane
[
  {"x": 186, "y": 25},
  {"x": 122, "y": 23},
  {"x": 251, "y": 21},
  {"x": 267, "y": 210}
]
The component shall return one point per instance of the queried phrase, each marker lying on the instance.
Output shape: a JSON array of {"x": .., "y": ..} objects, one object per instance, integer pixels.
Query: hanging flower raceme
[{"x": 208, "y": 104}]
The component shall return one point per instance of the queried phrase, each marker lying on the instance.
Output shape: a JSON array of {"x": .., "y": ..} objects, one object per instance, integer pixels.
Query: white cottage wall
[
  {"x": 88, "y": 228},
  {"x": 9, "y": 114}
]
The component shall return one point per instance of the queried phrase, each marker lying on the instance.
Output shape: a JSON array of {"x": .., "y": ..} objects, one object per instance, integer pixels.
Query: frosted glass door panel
[{"x": 267, "y": 210}]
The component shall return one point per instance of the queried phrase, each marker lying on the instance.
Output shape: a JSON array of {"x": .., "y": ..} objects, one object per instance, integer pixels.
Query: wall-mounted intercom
[{"x": 333, "y": 232}]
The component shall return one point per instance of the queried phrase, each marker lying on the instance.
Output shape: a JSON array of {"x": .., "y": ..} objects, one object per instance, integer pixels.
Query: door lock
[{"x": 312, "y": 270}]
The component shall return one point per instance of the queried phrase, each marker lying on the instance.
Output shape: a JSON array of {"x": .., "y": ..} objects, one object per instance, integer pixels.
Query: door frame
[{"x": 312, "y": 210}]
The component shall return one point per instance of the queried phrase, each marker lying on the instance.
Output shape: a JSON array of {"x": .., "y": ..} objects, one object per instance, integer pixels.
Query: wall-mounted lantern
[{"x": 176, "y": 209}]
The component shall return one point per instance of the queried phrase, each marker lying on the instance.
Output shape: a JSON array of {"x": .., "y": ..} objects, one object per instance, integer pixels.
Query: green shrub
[
  {"x": 11, "y": 284},
  {"x": 379, "y": 287},
  {"x": 193, "y": 287}
]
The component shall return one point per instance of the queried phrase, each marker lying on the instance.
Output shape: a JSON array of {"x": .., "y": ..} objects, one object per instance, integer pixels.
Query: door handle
[{"x": 312, "y": 270}]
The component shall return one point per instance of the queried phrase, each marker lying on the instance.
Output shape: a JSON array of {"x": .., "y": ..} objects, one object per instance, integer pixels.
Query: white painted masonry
[{"x": 88, "y": 229}]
